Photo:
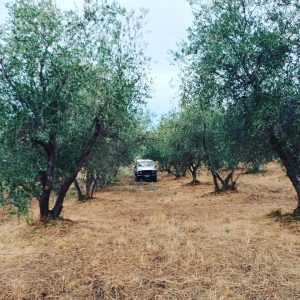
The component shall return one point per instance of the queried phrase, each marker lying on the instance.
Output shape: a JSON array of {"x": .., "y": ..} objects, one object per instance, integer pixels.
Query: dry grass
[{"x": 162, "y": 240}]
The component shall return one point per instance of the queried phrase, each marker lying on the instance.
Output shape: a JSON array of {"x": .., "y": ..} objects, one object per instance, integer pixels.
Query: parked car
[{"x": 145, "y": 170}]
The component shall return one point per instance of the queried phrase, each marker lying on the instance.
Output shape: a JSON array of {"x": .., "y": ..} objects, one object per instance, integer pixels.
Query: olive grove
[{"x": 240, "y": 79}]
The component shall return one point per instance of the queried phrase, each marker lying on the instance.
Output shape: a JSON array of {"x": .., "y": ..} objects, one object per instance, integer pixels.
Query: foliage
[
  {"x": 242, "y": 59},
  {"x": 109, "y": 155},
  {"x": 69, "y": 80},
  {"x": 166, "y": 147}
]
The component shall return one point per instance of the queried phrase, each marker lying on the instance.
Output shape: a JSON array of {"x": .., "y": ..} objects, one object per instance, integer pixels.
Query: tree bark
[
  {"x": 94, "y": 187},
  {"x": 290, "y": 164},
  {"x": 227, "y": 184},
  {"x": 78, "y": 189},
  {"x": 99, "y": 131},
  {"x": 57, "y": 209},
  {"x": 193, "y": 170},
  {"x": 90, "y": 184},
  {"x": 46, "y": 178},
  {"x": 194, "y": 176},
  {"x": 215, "y": 179}
]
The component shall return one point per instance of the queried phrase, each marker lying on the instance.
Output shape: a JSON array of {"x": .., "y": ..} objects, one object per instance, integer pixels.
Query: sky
[{"x": 166, "y": 25}]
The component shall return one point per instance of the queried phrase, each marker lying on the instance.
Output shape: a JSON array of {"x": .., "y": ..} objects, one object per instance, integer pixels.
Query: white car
[{"x": 145, "y": 170}]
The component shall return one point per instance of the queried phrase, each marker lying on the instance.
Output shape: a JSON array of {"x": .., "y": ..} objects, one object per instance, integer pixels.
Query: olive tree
[
  {"x": 165, "y": 146},
  {"x": 108, "y": 156},
  {"x": 67, "y": 80},
  {"x": 244, "y": 55},
  {"x": 175, "y": 144}
]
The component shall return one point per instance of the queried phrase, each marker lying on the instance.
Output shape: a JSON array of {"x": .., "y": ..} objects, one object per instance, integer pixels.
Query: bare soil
[{"x": 164, "y": 240}]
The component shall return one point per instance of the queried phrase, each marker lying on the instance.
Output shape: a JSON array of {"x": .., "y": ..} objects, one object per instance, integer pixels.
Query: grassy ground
[{"x": 163, "y": 240}]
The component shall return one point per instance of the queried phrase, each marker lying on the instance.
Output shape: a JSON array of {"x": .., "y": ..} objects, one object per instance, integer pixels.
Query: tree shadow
[
  {"x": 284, "y": 217},
  {"x": 193, "y": 183}
]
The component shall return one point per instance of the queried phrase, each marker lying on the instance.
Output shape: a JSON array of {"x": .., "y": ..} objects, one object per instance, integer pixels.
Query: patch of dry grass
[{"x": 162, "y": 240}]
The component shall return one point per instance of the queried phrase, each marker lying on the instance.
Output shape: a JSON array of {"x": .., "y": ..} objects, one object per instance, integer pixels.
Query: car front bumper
[{"x": 146, "y": 176}]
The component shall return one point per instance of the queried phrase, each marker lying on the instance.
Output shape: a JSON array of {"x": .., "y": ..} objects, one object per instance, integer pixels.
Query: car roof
[{"x": 140, "y": 160}]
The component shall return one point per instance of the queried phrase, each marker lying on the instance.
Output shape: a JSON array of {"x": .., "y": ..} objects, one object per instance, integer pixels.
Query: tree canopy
[
  {"x": 241, "y": 58},
  {"x": 69, "y": 80}
]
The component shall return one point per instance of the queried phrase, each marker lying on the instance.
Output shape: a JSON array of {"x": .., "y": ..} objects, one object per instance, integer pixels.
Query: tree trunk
[
  {"x": 227, "y": 184},
  {"x": 57, "y": 209},
  {"x": 217, "y": 188},
  {"x": 89, "y": 187},
  {"x": 46, "y": 178},
  {"x": 290, "y": 164},
  {"x": 58, "y": 206},
  {"x": 88, "y": 183},
  {"x": 78, "y": 189},
  {"x": 44, "y": 205},
  {"x": 94, "y": 187},
  {"x": 193, "y": 171},
  {"x": 97, "y": 183},
  {"x": 194, "y": 175}
]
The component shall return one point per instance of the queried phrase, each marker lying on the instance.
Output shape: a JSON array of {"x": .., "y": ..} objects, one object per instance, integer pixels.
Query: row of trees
[
  {"x": 71, "y": 86},
  {"x": 194, "y": 137},
  {"x": 240, "y": 91}
]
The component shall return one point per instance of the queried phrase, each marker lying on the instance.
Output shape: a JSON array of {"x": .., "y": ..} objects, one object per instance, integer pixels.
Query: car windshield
[{"x": 145, "y": 163}]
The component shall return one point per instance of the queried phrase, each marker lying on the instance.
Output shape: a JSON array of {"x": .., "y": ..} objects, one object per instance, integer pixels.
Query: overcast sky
[{"x": 167, "y": 22}]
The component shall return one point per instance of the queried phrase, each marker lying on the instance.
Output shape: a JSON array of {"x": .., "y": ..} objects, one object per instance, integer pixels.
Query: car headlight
[{"x": 153, "y": 172}]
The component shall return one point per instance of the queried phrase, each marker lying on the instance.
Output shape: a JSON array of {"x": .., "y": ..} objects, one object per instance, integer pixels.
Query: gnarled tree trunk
[
  {"x": 45, "y": 213},
  {"x": 290, "y": 164},
  {"x": 46, "y": 178},
  {"x": 193, "y": 170},
  {"x": 223, "y": 185}
]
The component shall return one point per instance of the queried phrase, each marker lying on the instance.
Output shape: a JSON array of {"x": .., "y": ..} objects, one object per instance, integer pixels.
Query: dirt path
[{"x": 161, "y": 240}]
